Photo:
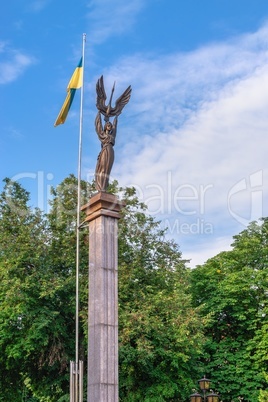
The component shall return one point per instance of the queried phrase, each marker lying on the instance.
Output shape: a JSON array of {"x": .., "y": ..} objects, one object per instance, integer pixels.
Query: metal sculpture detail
[{"x": 107, "y": 133}]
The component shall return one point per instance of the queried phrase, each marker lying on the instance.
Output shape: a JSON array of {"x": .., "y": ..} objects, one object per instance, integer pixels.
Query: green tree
[
  {"x": 62, "y": 221},
  {"x": 160, "y": 332},
  {"x": 22, "y": 253},
  {"x": 156, "y": 318},
  {"x": 37, "y": 294},
  {"x": 232, "y": 287}
]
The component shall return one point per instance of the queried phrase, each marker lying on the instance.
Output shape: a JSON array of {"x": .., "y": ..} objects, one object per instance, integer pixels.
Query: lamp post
[{"x": 208, "y": 395}]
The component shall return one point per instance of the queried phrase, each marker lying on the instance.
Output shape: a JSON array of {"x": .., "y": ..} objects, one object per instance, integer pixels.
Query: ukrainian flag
[{"x": 74, "y": 84}]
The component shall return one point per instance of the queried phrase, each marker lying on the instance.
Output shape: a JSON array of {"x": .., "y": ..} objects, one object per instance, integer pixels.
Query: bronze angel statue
[{"x": 107, "y": 133}]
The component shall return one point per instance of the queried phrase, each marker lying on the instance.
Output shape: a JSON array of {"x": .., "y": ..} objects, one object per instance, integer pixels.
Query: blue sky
[{"x": 193, "y": 138}]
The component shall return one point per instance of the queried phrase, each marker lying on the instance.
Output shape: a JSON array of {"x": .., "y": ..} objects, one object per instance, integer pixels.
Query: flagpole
[{"x": 77, "y": 232}]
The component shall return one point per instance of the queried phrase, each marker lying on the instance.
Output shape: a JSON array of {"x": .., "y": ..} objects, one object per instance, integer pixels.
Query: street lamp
[{"x": 204, "y": 385}]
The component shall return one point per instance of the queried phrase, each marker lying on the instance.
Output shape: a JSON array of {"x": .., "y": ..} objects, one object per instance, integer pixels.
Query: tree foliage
[
  {"x": 175, "y": 324},
  {"x": 37, "y": 294},
  {"x": 160, "y": 333},
  {"x": 232, "y": 286}
]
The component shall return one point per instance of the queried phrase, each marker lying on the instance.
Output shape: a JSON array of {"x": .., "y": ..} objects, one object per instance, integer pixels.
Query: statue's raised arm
[
  {"x": 107, "y": 133},
  {"x": 98, "y": 125}
]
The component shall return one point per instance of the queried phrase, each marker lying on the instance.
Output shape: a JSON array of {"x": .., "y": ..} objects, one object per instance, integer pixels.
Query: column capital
[{"x": 102, "y": 204}]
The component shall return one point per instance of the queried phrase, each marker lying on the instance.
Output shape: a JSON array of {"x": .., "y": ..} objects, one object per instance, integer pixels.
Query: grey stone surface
[{"x": 103, "y": 304}]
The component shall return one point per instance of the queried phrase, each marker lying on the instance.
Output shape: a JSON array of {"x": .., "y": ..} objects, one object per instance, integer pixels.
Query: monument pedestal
[{"x": 102, "y": 215}]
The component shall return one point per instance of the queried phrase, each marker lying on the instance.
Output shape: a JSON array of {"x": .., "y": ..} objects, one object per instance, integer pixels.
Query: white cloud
[
  {"x": 193, "y": 139},
  {"x": 14, "y": 64},
  {"x": 199, "y": 120},
  {"x": 200, "y": 253},
  {"x": 111, "y": 18},
  {"x": 39, "y": 5}
]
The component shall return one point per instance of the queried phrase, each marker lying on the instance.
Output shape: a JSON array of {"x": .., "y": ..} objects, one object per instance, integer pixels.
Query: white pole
[
  {"x": 72, "y": 371},
  {"x": 78, "y": 228},
  {"x": 81, "y": 370}
]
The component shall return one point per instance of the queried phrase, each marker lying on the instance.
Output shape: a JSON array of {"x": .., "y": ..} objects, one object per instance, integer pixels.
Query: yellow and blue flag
[{"x": 74, "y": 84}]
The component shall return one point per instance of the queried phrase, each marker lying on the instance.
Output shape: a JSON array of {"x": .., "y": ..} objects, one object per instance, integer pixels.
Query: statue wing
[
  {"x": 101, "y": 96},
  {"x": 121, "y": 102}
]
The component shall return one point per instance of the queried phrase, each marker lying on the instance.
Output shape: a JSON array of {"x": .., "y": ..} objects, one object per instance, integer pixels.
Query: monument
[{"x": 102, "y": 214}]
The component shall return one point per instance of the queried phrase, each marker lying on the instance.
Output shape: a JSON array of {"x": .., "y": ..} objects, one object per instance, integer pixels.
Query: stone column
[{"x": 102, "y": 214}]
